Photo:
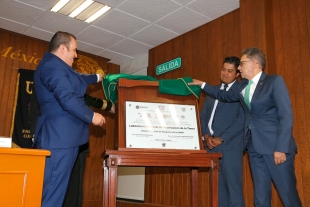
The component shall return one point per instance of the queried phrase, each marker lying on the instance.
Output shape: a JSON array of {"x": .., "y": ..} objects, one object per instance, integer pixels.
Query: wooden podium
[
  {"x": 21, "y": 176},
  {"x": 147, "y": 91}
]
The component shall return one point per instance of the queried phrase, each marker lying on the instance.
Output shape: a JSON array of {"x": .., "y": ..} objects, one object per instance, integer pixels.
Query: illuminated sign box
[{"x": 168, "y": 66}]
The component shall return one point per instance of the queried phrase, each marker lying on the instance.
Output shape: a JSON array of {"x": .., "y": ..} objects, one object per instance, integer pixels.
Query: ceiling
[{"x": 128, "y": 30}]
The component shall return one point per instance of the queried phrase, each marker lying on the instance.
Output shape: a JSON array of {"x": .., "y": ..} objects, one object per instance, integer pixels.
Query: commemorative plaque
[
  {"x": 161, "y": 126},
  {"x": 157, "y": 130}
]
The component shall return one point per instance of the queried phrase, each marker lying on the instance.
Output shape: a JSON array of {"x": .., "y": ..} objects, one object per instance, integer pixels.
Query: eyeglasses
[{"x": 242, "y": 62}]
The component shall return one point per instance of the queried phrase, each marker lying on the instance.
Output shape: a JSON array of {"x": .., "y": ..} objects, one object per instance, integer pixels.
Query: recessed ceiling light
[
  {"x": 84, "y": 10},
  {"x": 81, "y": 8},
  {"x": 59, "y": 5},
  {"x": 97, "y": 14}
]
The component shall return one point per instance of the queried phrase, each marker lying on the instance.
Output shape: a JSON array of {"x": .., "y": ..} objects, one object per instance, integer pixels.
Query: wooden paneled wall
[
  {"x": 281, "y": 28},
  {"x": 19, "y": 51},
  {"x": 291, "y": 23}
]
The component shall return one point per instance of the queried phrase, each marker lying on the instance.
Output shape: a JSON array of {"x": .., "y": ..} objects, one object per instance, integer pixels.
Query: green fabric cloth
[
  {"x": 179, "y": 87},
  {"x": 168, "y": 86},
  {"x": 109, "y": 84}
]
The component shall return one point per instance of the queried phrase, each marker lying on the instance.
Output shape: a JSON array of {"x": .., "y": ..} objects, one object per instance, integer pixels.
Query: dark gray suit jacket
[{"x": 228, "y": 122}]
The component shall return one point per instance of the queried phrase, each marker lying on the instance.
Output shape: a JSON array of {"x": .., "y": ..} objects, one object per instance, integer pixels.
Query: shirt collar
[
  {"x": 229, "y": 85},
  {"x": 256, "y": 78}
]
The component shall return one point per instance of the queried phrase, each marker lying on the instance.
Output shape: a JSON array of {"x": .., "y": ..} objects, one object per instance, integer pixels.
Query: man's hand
[
  {"x": 279, "y": 157},
  {"x": 216, "y": 141},
  {"x": 101, "y": 76},
  {"x": 209, "y": 141},
  {"x": 196, "y": 82},
  {"x": 112, "y": 110},
  {"x": 98, "y": 119}
]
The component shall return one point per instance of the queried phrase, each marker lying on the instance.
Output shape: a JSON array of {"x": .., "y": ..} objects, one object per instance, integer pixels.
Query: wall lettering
[
  {"x": 28, "y": 90},
  {"x": 18, "y": 55}
]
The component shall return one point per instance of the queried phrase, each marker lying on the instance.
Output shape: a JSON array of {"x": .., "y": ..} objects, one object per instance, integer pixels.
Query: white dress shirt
[
  {"x": 214, "y": 107},
  {"x": 253, "y": 85}
]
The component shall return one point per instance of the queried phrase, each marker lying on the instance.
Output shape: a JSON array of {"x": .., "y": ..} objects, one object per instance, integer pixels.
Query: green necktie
[{"x": 247, "y": 94}]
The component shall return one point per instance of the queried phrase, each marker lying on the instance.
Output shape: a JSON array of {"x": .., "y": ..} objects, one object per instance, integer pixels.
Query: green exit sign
[{"x": 168, "y": 66}]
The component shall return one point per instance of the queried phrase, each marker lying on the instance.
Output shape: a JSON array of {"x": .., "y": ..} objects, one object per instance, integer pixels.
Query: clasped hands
[{"x": 212, "y": 142}]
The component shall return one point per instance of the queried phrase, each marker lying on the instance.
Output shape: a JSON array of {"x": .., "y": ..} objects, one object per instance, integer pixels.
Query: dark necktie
[{"x": 225, "y": 87}]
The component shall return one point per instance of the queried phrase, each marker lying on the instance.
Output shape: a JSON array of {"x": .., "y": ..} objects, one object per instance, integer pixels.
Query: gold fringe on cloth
[
  {"x": 188, "y": 87},
  {"x": 14, "y": 110}
]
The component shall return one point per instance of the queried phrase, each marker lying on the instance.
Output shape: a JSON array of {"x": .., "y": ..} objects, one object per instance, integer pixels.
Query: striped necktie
[{"x": 247, "y": 94}]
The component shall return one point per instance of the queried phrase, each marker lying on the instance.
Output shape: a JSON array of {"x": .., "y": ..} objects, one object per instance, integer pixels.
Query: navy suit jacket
[
  {"x": 60, "y": 90},
  {"x": 270, "y": 116},
  {"x": 228, "y": 122}
]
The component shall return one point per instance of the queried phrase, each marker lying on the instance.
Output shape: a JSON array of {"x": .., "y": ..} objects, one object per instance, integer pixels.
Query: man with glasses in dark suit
[{"x": 267, "y": 130}]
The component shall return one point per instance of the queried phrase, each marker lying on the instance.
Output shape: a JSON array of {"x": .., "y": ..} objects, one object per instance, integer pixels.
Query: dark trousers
[
  {"x": 74, "y": 196},
  {"x": 56, "y": 175},
  {"x": 264, "y": 170},
  {"x": 230, "y": 192}
]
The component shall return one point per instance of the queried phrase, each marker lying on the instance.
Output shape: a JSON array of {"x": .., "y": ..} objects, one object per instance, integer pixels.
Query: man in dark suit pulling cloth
[{"x": 63, "y": 123}]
